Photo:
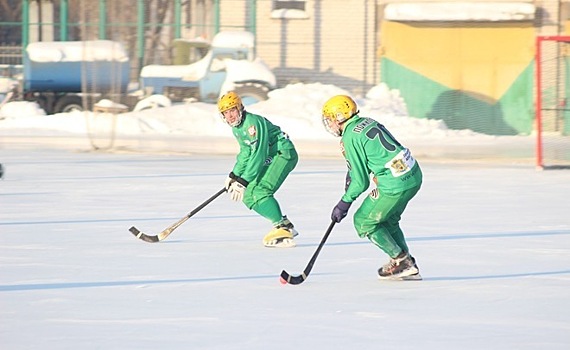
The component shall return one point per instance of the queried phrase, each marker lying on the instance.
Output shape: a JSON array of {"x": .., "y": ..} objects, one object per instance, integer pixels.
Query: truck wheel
[
  {"x": 68, "y": 104},
  {"x": 252, "y": 93},
  {"x": 44, "y": 104}
]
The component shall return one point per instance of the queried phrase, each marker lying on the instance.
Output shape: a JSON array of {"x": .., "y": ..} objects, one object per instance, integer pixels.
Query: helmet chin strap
[
  {"x": 340, "y": 127},
  {"x": 239, "y": 119}
]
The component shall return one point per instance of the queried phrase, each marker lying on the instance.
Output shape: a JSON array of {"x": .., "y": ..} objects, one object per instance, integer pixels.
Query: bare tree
[
  {"x": 158, "y": 12},
  {"x": 10, "y": 11}
]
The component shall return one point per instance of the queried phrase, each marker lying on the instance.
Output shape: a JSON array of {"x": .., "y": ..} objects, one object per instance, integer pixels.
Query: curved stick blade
[
  {"x": 144, "y": 237},
  {"x": 293, "y": 279},
  {"x": 169, "y": 229},
  {"x": 302, "y": 277}
]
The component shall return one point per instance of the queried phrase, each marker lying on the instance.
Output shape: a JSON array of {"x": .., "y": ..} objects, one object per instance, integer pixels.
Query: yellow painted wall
[
  {"x": 472, "y": 75},
  {"x": 484, "y": 59}
]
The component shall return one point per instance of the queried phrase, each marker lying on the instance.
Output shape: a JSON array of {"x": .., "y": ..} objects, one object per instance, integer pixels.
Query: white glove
[
  {"x": 228, "y": 183},
  {"x": 236, "y": 191}
]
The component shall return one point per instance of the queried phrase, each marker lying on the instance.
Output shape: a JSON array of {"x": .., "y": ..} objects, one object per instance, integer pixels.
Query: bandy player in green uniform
[
  {"x": 265, "y": 159},
  {"x": 370, "y": 149}
]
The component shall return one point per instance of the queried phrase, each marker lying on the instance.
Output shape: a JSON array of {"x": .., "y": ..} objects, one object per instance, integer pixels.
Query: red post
[{"x": 538, "y": 114}]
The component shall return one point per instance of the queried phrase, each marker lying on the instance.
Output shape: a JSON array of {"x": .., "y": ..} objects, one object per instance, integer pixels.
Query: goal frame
[{"x": 539, "y": 95}]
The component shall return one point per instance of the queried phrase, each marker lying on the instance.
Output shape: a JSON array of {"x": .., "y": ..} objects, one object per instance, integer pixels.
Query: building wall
[
  {"x": 476, "y": 75},
  {"x": 335, "y": 43},
  {"x": 465, "y": 75}
]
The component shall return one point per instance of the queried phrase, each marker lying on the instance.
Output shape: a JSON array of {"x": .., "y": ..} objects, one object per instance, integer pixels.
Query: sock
[{"x": 269, "y": 209}]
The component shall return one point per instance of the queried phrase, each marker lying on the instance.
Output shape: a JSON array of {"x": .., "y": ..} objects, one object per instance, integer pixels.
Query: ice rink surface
[{"x": 492, "y": 242}]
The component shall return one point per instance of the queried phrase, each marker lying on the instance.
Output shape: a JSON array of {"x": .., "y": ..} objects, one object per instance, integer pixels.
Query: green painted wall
[
  {"x": 512, "y": 114},
  {"x": 472, "y": 75}
]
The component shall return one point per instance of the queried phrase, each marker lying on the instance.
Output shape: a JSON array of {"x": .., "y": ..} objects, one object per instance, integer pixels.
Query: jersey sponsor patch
[
  {"x": 252, "y": 131},
  {"x": 401, "y": 163},
  {"x": 374, "y": 194}
]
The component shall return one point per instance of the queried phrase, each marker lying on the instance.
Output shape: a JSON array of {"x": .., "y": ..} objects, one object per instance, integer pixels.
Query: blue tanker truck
[{"x": 67, "y": 76}]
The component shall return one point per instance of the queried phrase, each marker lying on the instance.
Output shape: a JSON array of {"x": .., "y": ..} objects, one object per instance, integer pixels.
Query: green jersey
[
  {"x": 369, "y": 148},
  {"x": 259, "y": 141}
]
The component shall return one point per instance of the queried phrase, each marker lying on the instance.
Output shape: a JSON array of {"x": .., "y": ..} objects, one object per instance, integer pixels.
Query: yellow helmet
[
  {"x": 229, "y": 101},
  {"x": 340, "y": 108},
  {"x": 336, "y": 111}
]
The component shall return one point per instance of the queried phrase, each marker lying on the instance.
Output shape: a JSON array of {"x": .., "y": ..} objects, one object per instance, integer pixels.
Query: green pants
[
  {"x": 259, "y": 193},
  {"x": 378, "y": 219}
]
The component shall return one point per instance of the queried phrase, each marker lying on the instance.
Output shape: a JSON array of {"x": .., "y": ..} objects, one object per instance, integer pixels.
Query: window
[
  {"x": 289, "y": 9},
  {"x": 289, "y": 5}
]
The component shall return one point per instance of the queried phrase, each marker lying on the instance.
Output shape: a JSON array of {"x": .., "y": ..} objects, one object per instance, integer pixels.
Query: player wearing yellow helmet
[
  {"x": 265, "y": 159},
  {"x": 370, "y": 149}
]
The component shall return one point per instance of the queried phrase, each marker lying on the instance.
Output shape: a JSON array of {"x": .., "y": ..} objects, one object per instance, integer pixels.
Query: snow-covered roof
[
  {"x": 460, "y": 11},
  {"x": 77, "y": 51},
  {"x": 234, "y": 39}
]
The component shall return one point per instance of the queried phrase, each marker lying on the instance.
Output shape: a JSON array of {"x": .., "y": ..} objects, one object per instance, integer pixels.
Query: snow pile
[{"x": 460, "y": 11}]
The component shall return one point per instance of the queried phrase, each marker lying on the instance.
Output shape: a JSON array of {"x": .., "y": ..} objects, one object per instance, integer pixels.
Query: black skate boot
[{"x": 403, "y": 267}]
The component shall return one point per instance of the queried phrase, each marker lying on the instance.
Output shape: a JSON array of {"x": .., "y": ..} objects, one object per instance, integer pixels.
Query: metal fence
[{"x": 150, "y": 30}]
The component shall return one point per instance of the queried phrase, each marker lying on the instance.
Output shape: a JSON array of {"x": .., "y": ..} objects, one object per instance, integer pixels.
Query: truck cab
[{"x": 230, "y": 64}]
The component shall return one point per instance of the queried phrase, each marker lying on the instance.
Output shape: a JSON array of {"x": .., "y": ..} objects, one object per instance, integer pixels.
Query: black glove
[{"x": 339, "y": 211}]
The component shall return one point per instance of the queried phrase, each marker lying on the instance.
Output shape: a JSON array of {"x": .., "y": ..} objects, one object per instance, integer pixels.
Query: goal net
[{"x": 552, "y": 102}]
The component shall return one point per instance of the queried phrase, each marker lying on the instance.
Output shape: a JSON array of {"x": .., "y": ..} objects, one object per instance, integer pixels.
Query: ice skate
[
  {"x": 402, "y": 268},
  {"x": 414, "y": 277},
  {"x": 281, "y": 236}
]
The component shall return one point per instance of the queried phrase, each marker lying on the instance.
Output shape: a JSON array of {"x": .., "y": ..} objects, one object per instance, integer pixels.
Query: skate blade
[
  {"x": 281, "y": 243},
  {"x": 414, "y": 277}
]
